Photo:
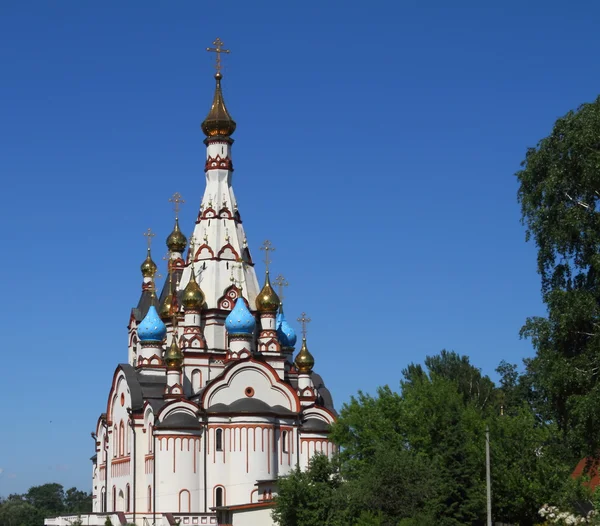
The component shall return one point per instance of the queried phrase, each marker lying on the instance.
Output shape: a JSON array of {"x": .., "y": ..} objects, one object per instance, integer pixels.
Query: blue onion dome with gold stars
[
  {"x": 176, "y": 242},
  {"x": 304, "y": 360},
  {"x": 192, "y": 297},
  {"x": 218, "y": 122},
  {"x": 151, "y": 328},
  {"x": 267, "y": 300},
  {"x": 286, "y": 335},
  {"x": 240, "y": 319},
  {"x": 148, "y": 267}
]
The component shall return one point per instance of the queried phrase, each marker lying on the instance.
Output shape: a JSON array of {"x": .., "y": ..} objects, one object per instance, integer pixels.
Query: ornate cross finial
[
  {"x": 149, "y": 235},
  {"x": 281, "y": 282},
  {"x": 218, "y": 50},
  {"x": 167, "y": 258},
  {"x": 191, "y": 250},
  {"x": 239, "y": 283},
  {"x": 177, "y": 201},
  {"x": 304, "y": 320},
  {"x": 267, "y": 247}
]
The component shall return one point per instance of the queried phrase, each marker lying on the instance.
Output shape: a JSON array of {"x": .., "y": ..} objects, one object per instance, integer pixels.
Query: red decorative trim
[
  {"x": 209, "y": 213},
  {"x": 199, "y": 253},
  {"x": 227, "y": 301},
  {"x": 224, "y": 213},
  {"x": 249, "y": 392},
  {"x": 218, "y": 163},
  {"x": 228, "y": 246}
]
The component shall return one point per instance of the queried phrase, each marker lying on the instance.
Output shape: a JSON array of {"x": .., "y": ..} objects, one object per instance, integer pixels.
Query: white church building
[{"x": 213, "y": 403}]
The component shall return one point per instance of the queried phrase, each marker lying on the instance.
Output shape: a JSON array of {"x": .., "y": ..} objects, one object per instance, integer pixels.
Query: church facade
[{"x": 214, "y": 402}]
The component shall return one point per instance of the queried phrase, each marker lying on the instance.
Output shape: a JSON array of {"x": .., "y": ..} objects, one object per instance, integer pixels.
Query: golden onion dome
[
  {"x": 304, "y": 360},
  {"x": 193, "y": 297},
  {"x": 176, "y": 242},
  {"x": 148, "y": 267},
  {"x": 169, "y": 305},
  {"x": 174, "y": 356},
  {"x": 267, "y": 300},
  {"x": 218, "y": 122}
]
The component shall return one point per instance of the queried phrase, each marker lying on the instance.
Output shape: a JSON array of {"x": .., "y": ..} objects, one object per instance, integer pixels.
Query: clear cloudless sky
[{"x": 376, "y": 148}]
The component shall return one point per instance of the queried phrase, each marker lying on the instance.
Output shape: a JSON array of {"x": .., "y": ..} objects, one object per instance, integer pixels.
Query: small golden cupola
[
  {"x": 169, "y": 305},
  {"x": 148, "y": 267},
  {"x": 193, "y": 297},
  {"x": 267, "y": 300},
  {"x": 174, "y": 356},
  {"x": 176, "y": 242},
  {"x": 304, "y": 360},
  {"x": 218, "y": 122}
]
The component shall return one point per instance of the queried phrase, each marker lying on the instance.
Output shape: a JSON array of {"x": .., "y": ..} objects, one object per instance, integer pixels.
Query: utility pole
[{"x": 487, "y": 476}]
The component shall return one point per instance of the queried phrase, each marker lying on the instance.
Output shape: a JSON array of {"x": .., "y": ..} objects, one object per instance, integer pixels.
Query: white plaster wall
[
  {"x": 179, "y": 468},
  {"x": 260, "y": 517}
]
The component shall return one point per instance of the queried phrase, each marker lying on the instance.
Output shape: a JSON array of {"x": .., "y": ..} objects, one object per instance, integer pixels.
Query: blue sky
[{"x": 376, "y": 148}]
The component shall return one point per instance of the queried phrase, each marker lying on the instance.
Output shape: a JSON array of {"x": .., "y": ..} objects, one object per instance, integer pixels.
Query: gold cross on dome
[
  {"x": 281, "y": 282},
  {"x": 177, "y": 201},
  {"x": 267, "y": 247},
  {"x": 304, "y": 320},
  {"x": 239, "y": 283},
  {"x": 218, "y": 50},
  {"x": 191, "y": 250},
  {"x": 149, "y": 235}
]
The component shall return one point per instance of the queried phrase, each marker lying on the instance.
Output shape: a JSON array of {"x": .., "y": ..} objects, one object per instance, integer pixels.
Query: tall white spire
[{"x": 220, "y": 240}]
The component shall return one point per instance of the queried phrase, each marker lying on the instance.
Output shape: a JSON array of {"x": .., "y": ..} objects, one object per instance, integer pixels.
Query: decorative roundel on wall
[
  {"x": 122, "y": 399},
  {"x": 249, "y": 391}
]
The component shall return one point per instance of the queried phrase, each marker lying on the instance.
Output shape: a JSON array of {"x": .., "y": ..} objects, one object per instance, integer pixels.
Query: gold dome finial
[
  {"x": 304, "y": 360},
  {"x": 267, "y": 300},
  {"x": 174, "y": 356},
  {"x": 218, "y": 122},
  {"x": 193, "y": 297},
  {"x": 176, "y": 242},
  {"x": 169, "y": 305},
  {"x": 148, "y": 267}
]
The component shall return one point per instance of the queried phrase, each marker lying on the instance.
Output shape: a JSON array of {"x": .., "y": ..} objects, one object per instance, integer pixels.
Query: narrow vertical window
[
  {"x": 219, "y": 440},
  {"x": 128, "y": 496},
  {"x": 284, "y": 439},
  {"x": 149, "y": 498},
  {"x": 219, "y": 497}
]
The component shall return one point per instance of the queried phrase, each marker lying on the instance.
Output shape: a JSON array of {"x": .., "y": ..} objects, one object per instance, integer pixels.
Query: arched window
[
  {"x": 196, "y": 380},
  {"x": 284, "y": 440},
  {"x": 114, "y": 499},
  {"x": 102, "y": 499},
  {"x": 219, "y": 440},
  {"x": 127, "y": 498},
  {"x": 184, "y": 501},
  {"x": 219, "y": 497},
  {"x": 115, "y": 440},
  {"x": 149, "y": 498},
  {"x": 121, "y": 501},
  {"x": 121, "y": 439}
]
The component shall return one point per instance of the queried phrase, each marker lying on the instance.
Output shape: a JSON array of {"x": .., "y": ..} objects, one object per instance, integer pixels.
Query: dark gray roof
[
  {"x": 175, "y": 278},
  {"x": 180, "y": 421},
  {"x": 315, "y": 425},
  {"x": 146, "y": 299},
  {"x": 250, "y": 405},
  {"x": 324, "y": 393},
  {"x": 144, "y": 387}
]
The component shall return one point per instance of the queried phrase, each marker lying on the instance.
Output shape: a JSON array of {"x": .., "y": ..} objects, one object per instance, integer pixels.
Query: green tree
[
  {"x": 312, "y": 497},
  {"x": 18, "y": 512},
  {"x": 48, "y": 498},
  {"x": 559, "y": 192}
]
